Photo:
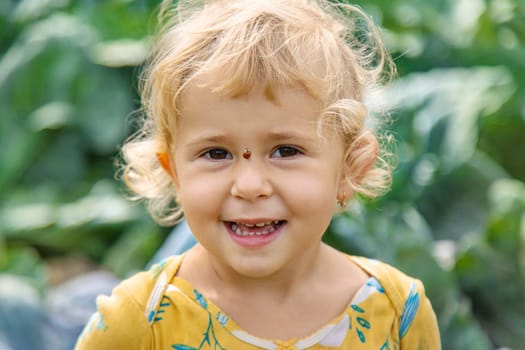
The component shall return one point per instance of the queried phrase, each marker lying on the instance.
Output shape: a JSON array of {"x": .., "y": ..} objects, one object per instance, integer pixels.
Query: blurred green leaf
[
  {"x": 54, "y": 115},
  {"x": 133, "y": 249},
  {"x": 24, "y": 261},
  {"x": 118, "y": 53},
  {"x": 447, "y": 105},
  {"x": 495, "y": 260}
]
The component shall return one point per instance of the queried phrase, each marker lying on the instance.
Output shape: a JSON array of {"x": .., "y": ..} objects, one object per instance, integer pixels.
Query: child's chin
[{"x": 257, "y": 268}]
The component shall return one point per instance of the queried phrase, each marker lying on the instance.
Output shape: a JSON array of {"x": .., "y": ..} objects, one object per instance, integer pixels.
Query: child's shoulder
[
  {"x": 133, "y": 304},
  {"x": 148, "y": 286},
  {"x": 140, "y": 293},
  {"x": 146, "y": 279},
  {"x": 417, "y": 327},
  {"x": 398, "y": 286}
]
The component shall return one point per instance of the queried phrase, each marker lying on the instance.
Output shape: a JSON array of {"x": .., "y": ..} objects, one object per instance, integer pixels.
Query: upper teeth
[
  {"x": 236, "y": 227},
  {"x": 260, "y": 224}
]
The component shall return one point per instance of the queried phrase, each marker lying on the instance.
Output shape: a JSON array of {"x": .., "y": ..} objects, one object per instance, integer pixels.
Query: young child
[{"x": 256, "y": 128}]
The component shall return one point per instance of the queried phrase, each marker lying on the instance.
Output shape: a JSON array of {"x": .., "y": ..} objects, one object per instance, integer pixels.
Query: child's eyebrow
[
  {"x": 207, "y": 138},
  {"x": 290, "y": 135},
  {"x": 272, "y": 136}
]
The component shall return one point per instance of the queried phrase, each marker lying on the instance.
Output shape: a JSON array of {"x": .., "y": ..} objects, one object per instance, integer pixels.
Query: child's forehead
[
  {"x": 279, "y": 114},
  {"x": 208, "y": 115},
  {"x": 204, "y": 88}
]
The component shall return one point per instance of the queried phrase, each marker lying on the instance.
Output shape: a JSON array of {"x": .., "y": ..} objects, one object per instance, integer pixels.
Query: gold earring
[{"x": 341, "y": 201}]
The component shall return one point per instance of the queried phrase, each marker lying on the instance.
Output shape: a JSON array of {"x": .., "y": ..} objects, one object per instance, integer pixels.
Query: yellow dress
[{"x": 157, "y": 310}]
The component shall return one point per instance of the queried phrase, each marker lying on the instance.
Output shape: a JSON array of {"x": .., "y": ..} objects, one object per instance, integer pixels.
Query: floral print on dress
[
  {"x": 359, "y": 324},
  {"x": 200, "y": 299},
  {"x": 222, "y": 318},
  {"x": 209, "y": 338},
  {"x": 355, "y": 321},
  {"x": 410, "y": 310}
]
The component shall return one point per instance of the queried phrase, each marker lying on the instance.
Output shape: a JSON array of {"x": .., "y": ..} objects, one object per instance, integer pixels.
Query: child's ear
[{"x": 166, "y": 164}]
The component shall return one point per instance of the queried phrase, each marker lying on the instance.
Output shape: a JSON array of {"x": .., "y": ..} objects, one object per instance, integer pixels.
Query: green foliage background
[{"x": 454, "y": 218}]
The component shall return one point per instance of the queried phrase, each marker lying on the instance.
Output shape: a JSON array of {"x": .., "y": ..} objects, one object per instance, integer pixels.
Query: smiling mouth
[{"x": 257, "y": 229}]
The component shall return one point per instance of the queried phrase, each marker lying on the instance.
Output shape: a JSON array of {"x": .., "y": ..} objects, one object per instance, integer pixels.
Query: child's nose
[{"x": 251, "y": 180}]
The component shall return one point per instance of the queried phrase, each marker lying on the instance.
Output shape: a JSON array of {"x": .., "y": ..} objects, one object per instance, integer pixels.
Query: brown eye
[
  {"x": 285, "y": 152},
  {"x": 217, "y": 154}
]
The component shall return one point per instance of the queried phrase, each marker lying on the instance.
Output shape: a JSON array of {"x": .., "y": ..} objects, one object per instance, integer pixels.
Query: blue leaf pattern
[
  {"x": 364, "y": 323},
  {"x": 385, "y": 346},
  {"x": 409, "y": 313},
  {"x": 372, "y": 282},
  {"x": 222, "y": 318},
  {"x": 361, "y": 336},
  {"x": 151, "y": 315},
  {"x": 360, "y": 322},
  {"x": 165, "y": 302},
  {"x": 357, "y": 308},
  {"x": 200, "y": 299},
  {"x": 209, "y": 336}
]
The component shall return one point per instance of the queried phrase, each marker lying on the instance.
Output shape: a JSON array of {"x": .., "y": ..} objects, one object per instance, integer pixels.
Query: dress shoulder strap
[
  {"x": 163, "y": 272},
  {"x": 398, "y": 286}
]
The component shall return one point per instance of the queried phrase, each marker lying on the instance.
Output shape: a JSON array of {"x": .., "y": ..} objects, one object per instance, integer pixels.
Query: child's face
[{"x": 259, "y": 215}]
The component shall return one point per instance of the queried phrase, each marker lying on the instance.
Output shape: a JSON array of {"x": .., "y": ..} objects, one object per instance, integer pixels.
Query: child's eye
[
  {"x": 217, "y": 154},
  {"x": 285, "y": 151}
]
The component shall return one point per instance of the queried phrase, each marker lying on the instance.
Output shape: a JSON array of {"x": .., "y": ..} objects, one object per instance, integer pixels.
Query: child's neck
[
  {"x": 279, "y": 285},
  {"x": 286, "y": 306}
]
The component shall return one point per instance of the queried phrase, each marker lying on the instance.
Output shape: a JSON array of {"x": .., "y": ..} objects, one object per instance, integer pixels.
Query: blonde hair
[{"x": 333, "y": 51}]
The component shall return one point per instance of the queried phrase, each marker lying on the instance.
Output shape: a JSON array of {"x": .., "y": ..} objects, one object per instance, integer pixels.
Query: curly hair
[{"x": 334, "y": 51}]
